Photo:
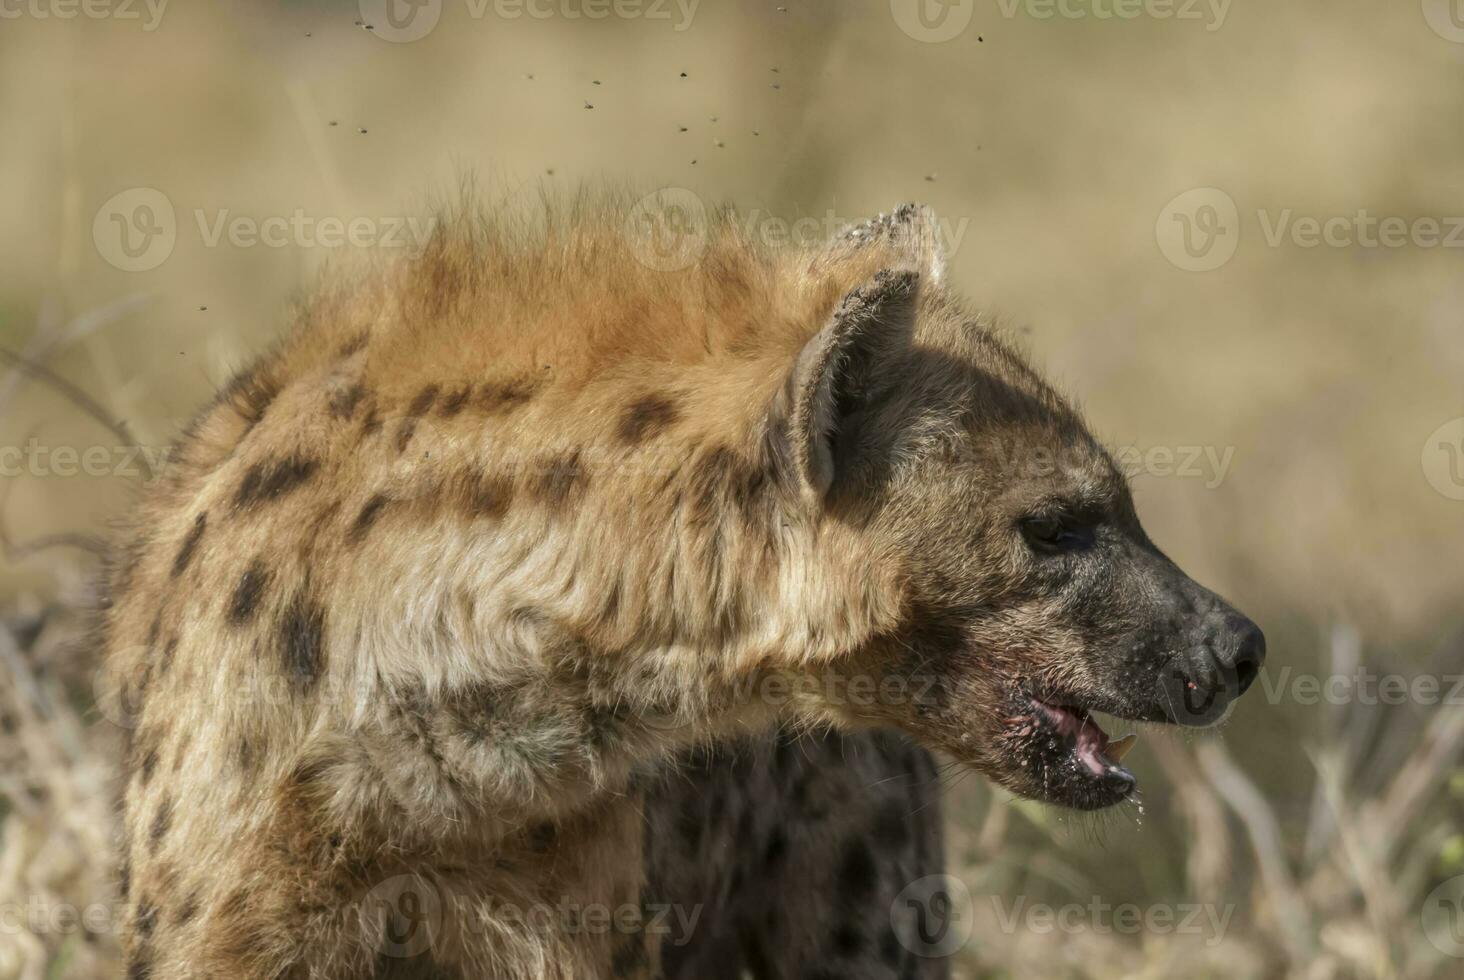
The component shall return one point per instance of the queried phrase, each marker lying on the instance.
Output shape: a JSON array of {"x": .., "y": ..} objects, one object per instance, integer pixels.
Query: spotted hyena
[{"x": 436, "y": 594}]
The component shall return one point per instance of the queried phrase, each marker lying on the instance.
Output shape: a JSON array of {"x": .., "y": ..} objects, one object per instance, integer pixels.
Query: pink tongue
[{"x": 1092, "y": 742}]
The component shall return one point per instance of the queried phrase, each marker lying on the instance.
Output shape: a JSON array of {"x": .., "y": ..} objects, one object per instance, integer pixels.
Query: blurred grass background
[{"x": 1052, "y": 145}]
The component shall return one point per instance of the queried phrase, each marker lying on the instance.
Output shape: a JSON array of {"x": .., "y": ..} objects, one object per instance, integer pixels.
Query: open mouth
[{"x": 1071, "y": 757}]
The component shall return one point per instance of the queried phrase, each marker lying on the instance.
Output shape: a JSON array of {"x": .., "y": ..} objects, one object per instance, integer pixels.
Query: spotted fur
[{"x": 435, "y": 593}]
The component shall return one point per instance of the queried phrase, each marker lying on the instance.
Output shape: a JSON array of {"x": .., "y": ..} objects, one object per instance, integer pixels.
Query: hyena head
[{"x": 1031, "y": 594}]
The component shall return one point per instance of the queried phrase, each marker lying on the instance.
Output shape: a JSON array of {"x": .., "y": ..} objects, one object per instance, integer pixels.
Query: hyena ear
[
  {"x": 912, "y": 230},
  {"x": 815, "y": 416}
]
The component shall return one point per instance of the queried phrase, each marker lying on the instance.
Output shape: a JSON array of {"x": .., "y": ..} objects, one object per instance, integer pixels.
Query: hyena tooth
[{"x": 1120, "y": 747}]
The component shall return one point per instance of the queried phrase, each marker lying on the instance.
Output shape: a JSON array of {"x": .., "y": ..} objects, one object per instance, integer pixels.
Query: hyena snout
[{"x": 1220, "y": 655}]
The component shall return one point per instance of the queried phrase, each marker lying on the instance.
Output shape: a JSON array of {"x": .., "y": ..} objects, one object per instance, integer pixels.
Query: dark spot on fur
[
  {"x": 646, "y": 418},
  {"x": 248, "y": 592},
  {"x": 124, "y": 878},
  {"x": 481, "y": 495},
  {"x": 472, "y": 709},
  {"x": 503, "y": 397},
  {"x": 858, "y": 872},
  {"x": 561, "y": 479},
  {"x": 162, "y": 820},
  {"x": 149, "y": 766},
  {"x": 139, "y": 966},
  {"x": 147, "y": 918},
  {"x": 274, "y": 479},
  {"x": 354, "y": 345},
  {"x": 343, "y": 402},
  {"x": 250, "y": 395},
  {"x": 190, "y": 543},
  {"x": 848, "y": 940},
  {"x": 405, "y": 431},
  {"x": 776, "y": 849},
  {"x": 366, "y": 518},
  {"x": 423, "y": 401},
  {"x": 455, "y": 402},
  {"x": 188, "y": 911},
  {"x": 244, "y": 752},
  {"x": 302, "y": 642},
  {"x": 722, "y": 476},
  {"x": 419, "y": 407},
  {"x": 543, "y": 837}
]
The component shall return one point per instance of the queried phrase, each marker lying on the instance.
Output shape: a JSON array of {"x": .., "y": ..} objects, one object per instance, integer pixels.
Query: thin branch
[{"x": 76, "y": 396}]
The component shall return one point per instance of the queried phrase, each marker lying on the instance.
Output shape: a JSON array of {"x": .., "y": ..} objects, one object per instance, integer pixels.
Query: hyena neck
[{"x": 695, "y": 625}]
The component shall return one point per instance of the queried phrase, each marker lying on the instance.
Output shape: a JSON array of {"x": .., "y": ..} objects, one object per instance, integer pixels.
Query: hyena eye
[{"x": 1053, "y": 535}]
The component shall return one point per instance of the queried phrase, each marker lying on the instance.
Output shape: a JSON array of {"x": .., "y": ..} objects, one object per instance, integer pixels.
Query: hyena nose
[
  {"x": 1199, "y": 686},
  {"x": 1247, "y": 654}
]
